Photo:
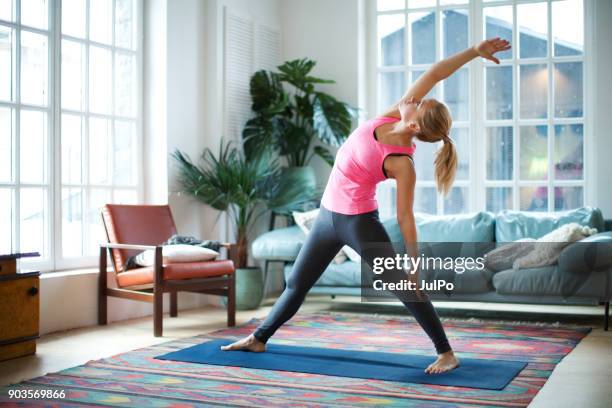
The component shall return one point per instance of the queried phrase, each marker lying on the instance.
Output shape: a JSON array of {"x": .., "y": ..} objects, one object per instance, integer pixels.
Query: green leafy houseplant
[
  {"x": 289, "y": 113},
  {"x": 241, "y": 187}
]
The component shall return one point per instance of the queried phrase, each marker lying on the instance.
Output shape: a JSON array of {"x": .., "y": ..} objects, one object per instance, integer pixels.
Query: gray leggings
[{"x": 329, "y": 233}]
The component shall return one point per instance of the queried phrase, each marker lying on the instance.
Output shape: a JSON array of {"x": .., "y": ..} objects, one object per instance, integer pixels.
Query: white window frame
[
  {"x": 477, "y": 183},
  {"x": 54, "y": 260}
]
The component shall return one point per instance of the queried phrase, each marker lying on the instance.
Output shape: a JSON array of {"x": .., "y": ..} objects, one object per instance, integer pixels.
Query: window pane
[
  {"x": 33, "y": 154},
  {"x": 125, "y": 153},
  {"x": 568, "y": 27},
  {"x": 124, "y": 23},
  {"x": 569, "y": 157},
  {"x": 421, "y": 3},
  {"x": 72, "y": 222},
  {"x": 99, "y": 151},
  {"x": 98, "y": 197},
  {"x": 72, "y": 149},
  {"x": 424, "y": 160},
  {"x": 391, "y": 39},
  {"x": 6, "y": 63},
  {"x": 34, "y": 13},
  {"x": 6, "y": 10},
  {"x": 534, "y": 153},
  {"x": 423, "y": 33},
  {"x": 568, "y": 198},
  {"x": 534, "y": 91},
  {"x": 392, "y": 87},
  {"x": 499, "y": 153},
  {"x": 498, "y": 23},
  {"x": 425, "y": 200},
  {"x": 461, "y": 137},
  {"x": 568, "y": 89},
  {"x": 533, "y": 29},
  {"x": 447, "y": 2},
  {"x": 456, "y": 94},
  {"x": 100, "y": 89},
  {"x": 457, "y": 201},
  {"x": 34, "y": 74},
  {"x": 73, "y": 18},
  {"x": 125, "y": 197},
  {"x": 499, "y": 198},
  {"x": 499, "y": 92},
  {"x": 454, "y": 31},
  {"x": 73, "y": 75},
  {"x": 384, "y": 5},
  {"x": 6, "y": 145},
  {"x": 6, "y": 220},
  {"x": 534, "y": 199},
  {"x": 33, "y": 219},
  {"x": 125, "y": 84},
  {"x": 100, "y": 21}
]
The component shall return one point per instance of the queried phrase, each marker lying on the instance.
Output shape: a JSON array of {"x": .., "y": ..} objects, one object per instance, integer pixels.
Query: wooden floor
[{"x": 582, "y": 379}]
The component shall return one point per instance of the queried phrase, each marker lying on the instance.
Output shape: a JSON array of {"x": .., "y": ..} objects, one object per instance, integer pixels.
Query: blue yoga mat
[{"x": 472, "y": 373}]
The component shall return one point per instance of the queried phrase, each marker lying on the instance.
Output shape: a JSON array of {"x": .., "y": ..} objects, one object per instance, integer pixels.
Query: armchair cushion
[
  {"x": 177, "y": 254},
  {"x": 191, "y": 270}
]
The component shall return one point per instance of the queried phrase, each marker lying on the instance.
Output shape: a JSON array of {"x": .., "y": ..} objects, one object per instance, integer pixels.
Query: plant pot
[{"x": 249, "y": 288}]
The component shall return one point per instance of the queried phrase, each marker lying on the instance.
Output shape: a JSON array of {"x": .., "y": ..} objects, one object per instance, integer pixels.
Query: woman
[{"x": 379, "y": 148}]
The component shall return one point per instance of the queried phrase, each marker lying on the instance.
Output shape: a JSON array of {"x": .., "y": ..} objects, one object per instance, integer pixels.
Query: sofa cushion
[
  {"x": 344, "y": 274},
  {"x": 471, "y": 227},
  {"x": 511, "y": 225},
  {"x": 282, "y": 244},
  {"x": 542, "y": 281}
]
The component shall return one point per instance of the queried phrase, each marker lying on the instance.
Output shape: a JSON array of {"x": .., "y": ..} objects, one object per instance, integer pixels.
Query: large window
[
  {"x": 518, "y": 126},
  {"x": 69, "y": 123}
]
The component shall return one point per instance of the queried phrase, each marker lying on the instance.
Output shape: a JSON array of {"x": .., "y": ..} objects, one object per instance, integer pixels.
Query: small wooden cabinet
[{"x": 19, "y": 309}]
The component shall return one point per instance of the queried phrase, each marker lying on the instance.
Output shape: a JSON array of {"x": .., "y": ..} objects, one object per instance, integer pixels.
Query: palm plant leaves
[
  {"x": 267, "y": 93},
  {"x": 287, "y": 123},
  {"x": 332, "y": 119},
  {"x": 324, "y": 154},
  {"x": 296, "y": 73},
  {"x": 231, "y": 182}
]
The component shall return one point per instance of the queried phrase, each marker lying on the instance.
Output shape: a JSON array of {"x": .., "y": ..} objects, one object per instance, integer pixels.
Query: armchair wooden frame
[{"x": 153, "y": 293}]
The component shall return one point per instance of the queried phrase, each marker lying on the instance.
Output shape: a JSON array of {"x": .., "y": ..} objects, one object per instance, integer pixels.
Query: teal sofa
[{"x": 574, "y": 279}]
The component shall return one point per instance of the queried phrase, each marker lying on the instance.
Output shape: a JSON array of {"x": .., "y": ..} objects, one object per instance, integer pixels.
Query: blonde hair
[{"x": 435, "y": 122}]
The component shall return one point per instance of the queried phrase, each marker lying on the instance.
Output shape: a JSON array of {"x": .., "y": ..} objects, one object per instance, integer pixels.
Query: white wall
[
  {"x": 327, "y": 32},
  {"x": 602, "y": 98}
]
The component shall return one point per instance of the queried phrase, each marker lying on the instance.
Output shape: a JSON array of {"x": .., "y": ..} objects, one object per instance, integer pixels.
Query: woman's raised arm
[{"x": 445, "y": 68}]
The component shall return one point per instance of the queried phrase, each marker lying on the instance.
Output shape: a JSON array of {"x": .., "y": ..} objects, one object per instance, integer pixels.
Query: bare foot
[
  {"x": 249, "y": 343},
  {"x": 445, "y": 362}
]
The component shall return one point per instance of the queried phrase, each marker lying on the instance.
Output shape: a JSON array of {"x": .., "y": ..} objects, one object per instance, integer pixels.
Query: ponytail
[
  {"x": 445, "y": 164},
  {"x": 435, "y": 123}
]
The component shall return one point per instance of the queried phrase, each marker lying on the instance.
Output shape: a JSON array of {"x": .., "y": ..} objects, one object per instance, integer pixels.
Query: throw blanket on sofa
[
  {"x": 547, "y": 249},
  {"x": 533, "y": 253}
]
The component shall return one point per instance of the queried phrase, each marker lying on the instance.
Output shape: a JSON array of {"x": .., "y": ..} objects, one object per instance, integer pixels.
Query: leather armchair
[{"x": 131, "y": 229}]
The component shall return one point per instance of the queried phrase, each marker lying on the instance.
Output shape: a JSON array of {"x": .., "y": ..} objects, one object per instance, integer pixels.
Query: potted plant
[
  {"x": 290, "y": 115},
  {"x": 229, "y": 182}
]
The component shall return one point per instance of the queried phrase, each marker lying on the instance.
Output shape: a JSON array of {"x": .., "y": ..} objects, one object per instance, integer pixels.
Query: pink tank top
[{"x": 358, "y": 168}]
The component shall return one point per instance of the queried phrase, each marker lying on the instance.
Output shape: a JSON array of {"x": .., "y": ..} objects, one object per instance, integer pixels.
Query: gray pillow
[{"x": 502, "y": 257}]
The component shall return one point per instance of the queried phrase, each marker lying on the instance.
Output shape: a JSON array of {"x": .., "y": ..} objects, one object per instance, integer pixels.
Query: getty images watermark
[
  {"x": 411, "y": 265},
  {"x": 389, "y": 273}
]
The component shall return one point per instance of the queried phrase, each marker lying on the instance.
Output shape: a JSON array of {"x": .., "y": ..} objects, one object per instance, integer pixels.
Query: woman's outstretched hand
[{"x": 487, "y": 48}]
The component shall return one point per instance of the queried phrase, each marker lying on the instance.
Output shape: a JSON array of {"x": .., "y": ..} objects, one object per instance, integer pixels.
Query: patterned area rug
[{"x": 136, "y": 379}]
